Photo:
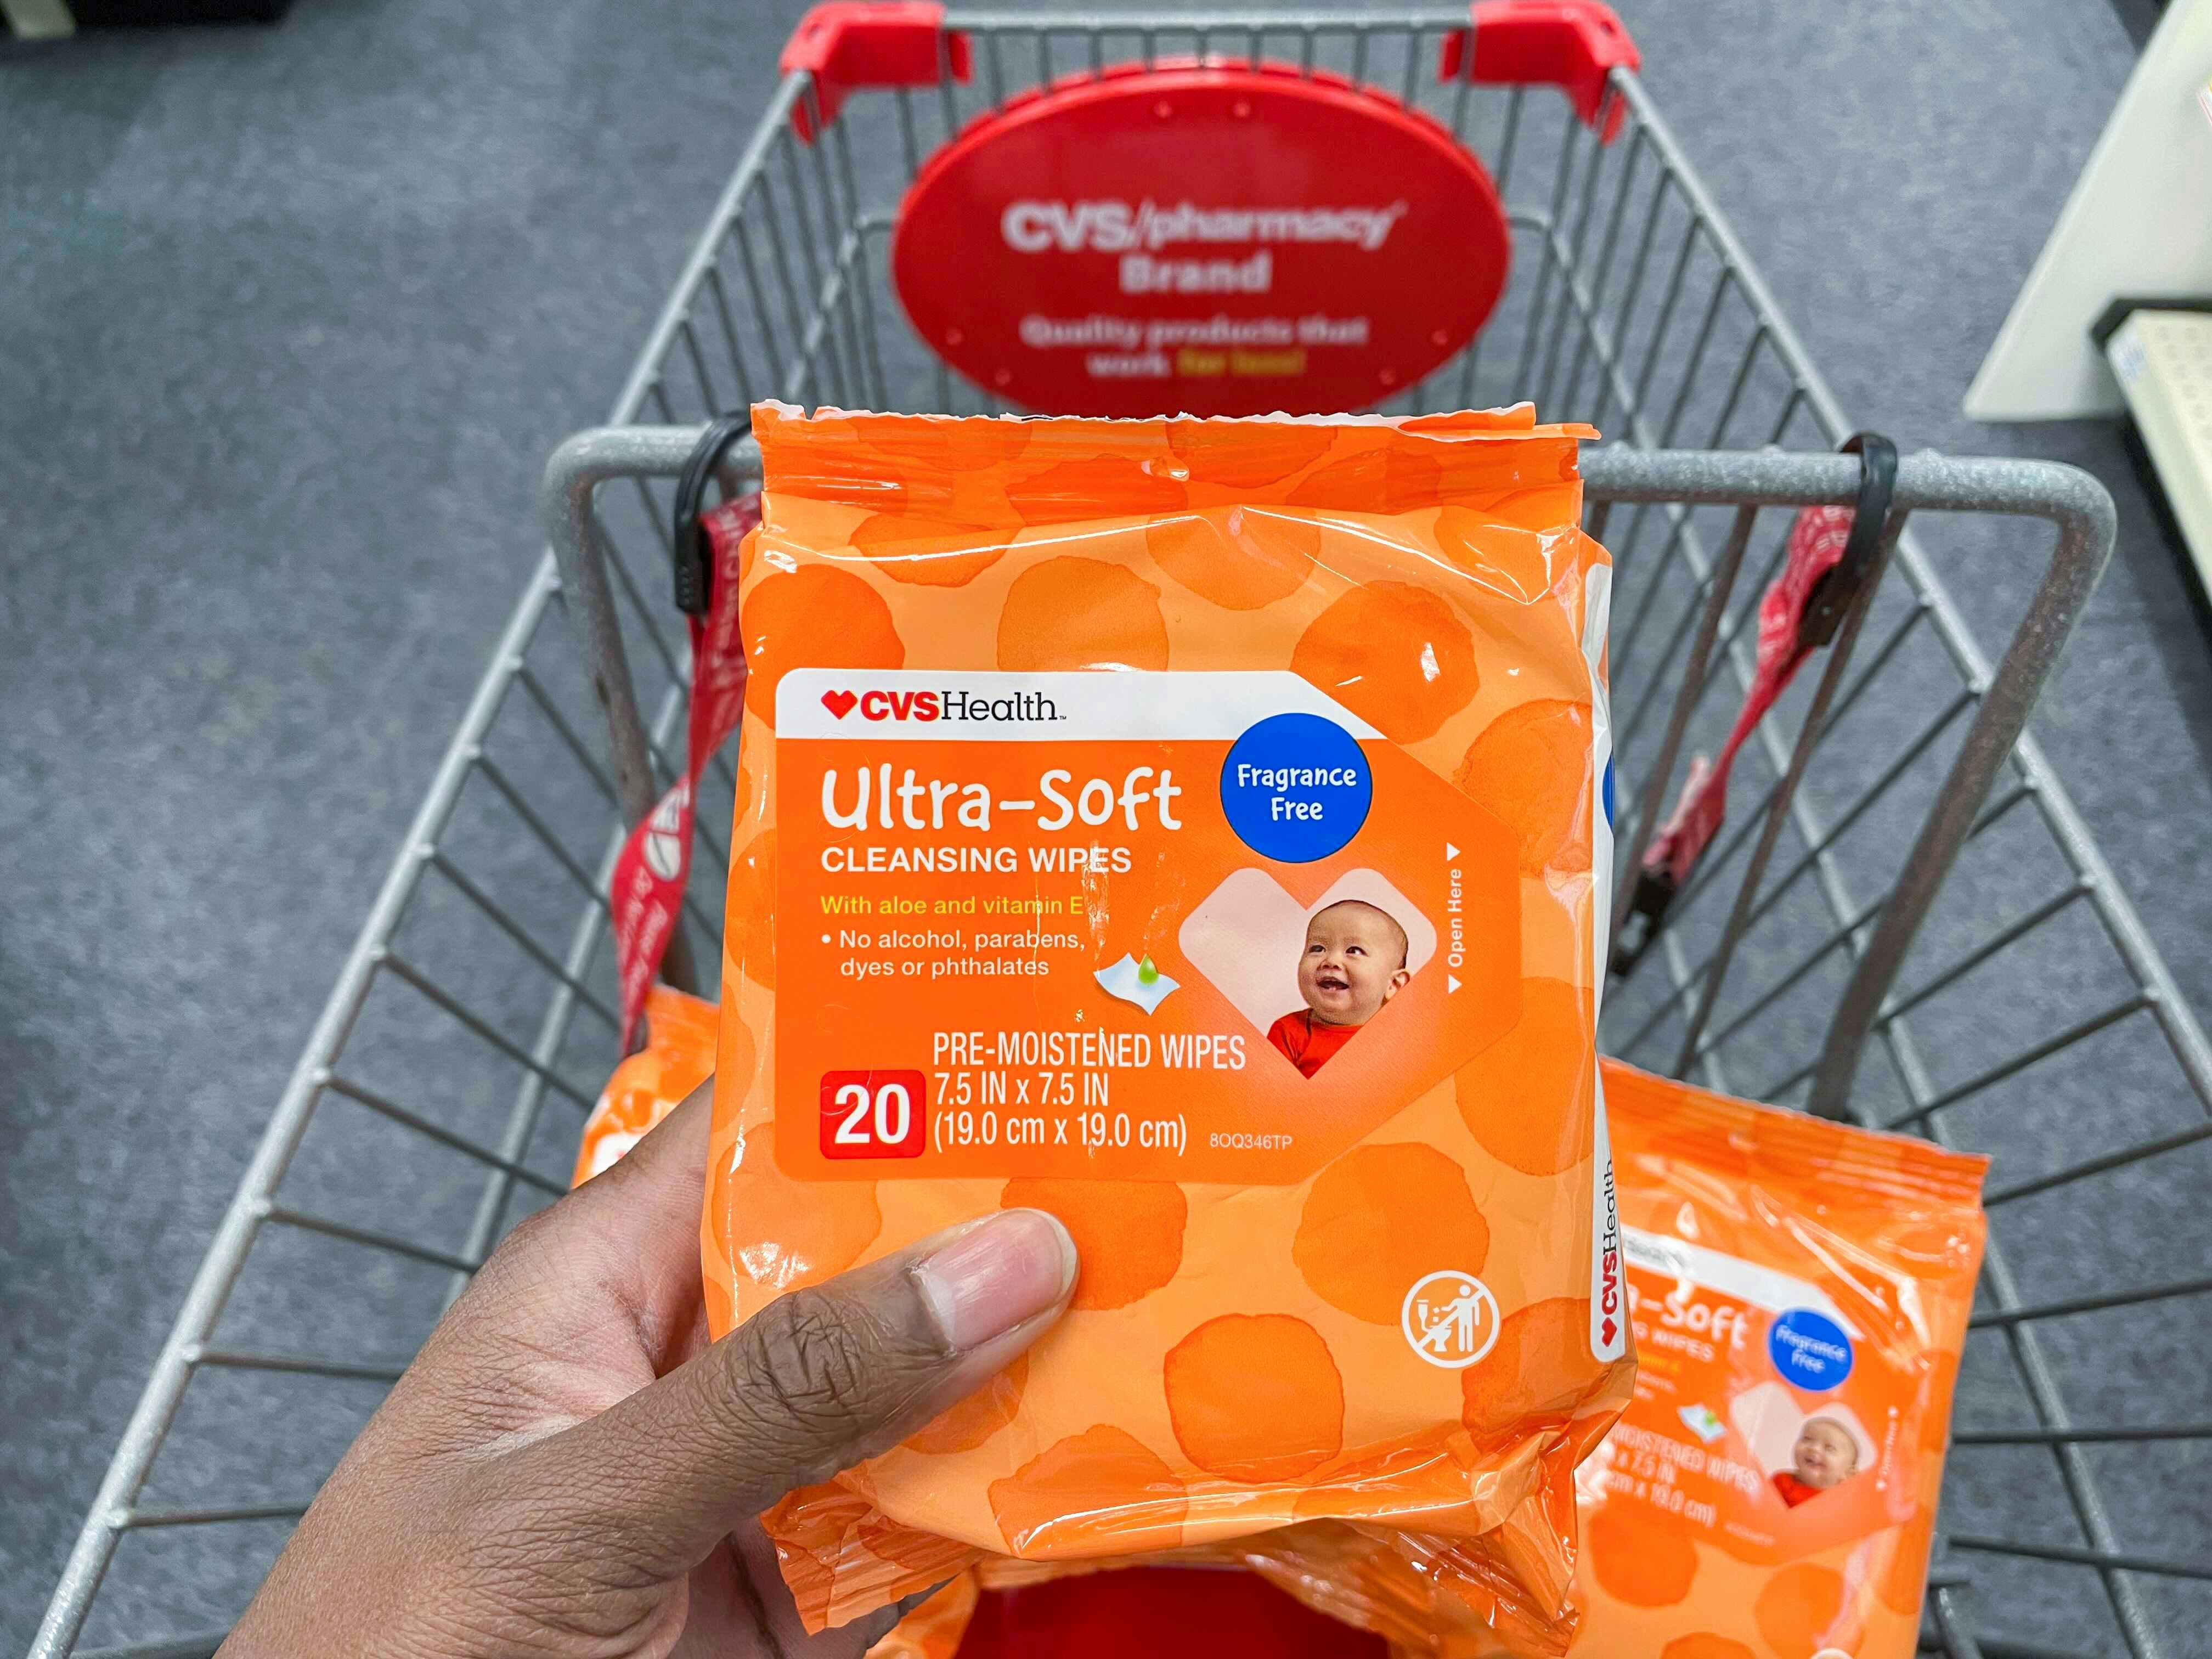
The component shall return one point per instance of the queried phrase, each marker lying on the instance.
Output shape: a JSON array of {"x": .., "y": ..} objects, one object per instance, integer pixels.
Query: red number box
[{"x": 874, "y": 1114}]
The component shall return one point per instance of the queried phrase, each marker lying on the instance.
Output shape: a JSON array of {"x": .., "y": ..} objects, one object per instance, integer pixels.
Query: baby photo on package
[{"x": 1196, "y": 828}]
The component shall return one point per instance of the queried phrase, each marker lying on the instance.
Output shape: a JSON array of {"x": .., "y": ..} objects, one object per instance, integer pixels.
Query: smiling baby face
[
  {"x": 1354, "y": 960},
  {"x": 1824, "y": 1455}
]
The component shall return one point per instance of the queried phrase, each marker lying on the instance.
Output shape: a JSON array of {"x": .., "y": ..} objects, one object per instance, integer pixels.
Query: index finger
[
  {"x": 621, "y": 1249},
  {"x": 646, "y": 1207}
]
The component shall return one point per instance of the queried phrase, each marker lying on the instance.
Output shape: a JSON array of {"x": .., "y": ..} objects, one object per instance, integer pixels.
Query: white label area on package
[
  {"x": 1080, "y": 705},
  {"x": 1762, "y": 1287}
]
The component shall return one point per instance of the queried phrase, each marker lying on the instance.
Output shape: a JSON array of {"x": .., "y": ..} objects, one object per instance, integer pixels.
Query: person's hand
[{"x": 570, "y": 1469}]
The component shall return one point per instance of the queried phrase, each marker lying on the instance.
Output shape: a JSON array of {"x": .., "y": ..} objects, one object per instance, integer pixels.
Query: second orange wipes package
[{"x": 1196, "y": 828}]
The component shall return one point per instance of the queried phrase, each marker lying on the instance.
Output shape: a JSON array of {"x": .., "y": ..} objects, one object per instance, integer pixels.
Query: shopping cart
[{"x": 1900, "y": 860}]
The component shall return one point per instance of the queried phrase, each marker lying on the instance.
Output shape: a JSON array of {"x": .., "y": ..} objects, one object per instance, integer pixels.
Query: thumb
[{"x": 812, "y": 1383}]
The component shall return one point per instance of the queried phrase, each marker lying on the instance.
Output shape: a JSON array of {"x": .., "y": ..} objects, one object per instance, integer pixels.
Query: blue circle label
[
  {"x": 1809, "y": 1349},
  {"x": 1296, "y": 788},
  {"x": 1608, "y": 791}
]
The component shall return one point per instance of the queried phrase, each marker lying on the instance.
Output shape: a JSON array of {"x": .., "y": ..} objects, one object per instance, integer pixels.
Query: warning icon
[{"x": 1450, "y": 1319}]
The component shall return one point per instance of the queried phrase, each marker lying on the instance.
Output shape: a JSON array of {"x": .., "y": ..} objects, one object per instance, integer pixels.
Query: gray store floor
[{"x": 290, "y": 319}]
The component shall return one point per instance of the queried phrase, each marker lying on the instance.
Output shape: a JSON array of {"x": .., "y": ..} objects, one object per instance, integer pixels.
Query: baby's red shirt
[
  {"x": 1307, "y": 1045},
  {"x": 1794, "y": 1492}
]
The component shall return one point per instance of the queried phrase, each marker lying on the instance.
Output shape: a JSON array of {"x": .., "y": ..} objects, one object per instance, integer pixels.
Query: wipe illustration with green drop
[{"x": 1140, "y": 982}]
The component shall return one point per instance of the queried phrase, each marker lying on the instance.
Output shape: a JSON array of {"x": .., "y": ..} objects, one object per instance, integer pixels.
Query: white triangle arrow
[
  {"x": 1450, "y": 851},
  {"x": 1451, "y": 983}
]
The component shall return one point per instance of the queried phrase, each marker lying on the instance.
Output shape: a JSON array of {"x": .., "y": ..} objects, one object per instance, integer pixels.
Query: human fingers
[
  {"x": 606, "y": 1278},
  {"x": 646, "y": 1205},
  {"x": 815, "y": 1381}
]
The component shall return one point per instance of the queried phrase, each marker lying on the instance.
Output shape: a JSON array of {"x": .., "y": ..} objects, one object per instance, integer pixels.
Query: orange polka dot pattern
[
  {"x": 1702, "y": 1644},
  {"x": 1073, "y": 612},
  {"x": 815, "y": 616},
  {"x": 1521, "y": 1381},
  {"x": 1241, "y": 558},
  {"x": 1644, "y": 1566},
  {"x": 1395, "y": 655},
  {"x": 1103, "y": 1472},
  {"x": 1256, "y": 1397},
  {"x": 1128, "y": 1234},
  {"x": 822, "y": 1232},
  {"x": 1522, "y": 768},
  {"x": 749, "y": 904},
  {"x": 1378, "y": 1218},
  {"x": 1232, "y": 1370},
  {"x": 964, "y": 1426},
  {"x": 923, "y": 551},
  {"x": 1796, "y": 1612},
  {"x": 1547, "y": 1056}
]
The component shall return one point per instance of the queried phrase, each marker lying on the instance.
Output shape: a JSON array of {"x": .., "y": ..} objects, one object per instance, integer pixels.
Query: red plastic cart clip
[
  {"x": 1572, "y": 45},
  {"x": 1827, "y": 561},
  {"x": 646, "y": 897},
  {"x": 862, "y": 45}
]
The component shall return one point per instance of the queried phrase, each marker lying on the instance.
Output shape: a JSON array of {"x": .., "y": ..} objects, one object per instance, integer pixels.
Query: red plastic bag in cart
[
  {"x": 1162, "y": 1613},
  {"x": 1420, "y": 1593}
]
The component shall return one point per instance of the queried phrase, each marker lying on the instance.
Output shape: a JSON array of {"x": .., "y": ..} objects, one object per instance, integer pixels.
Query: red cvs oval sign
[{"x": 1210, "y": 240}]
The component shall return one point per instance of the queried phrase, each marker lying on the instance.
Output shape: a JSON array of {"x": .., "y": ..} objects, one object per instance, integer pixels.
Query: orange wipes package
[
  {"x": 1801, "y": 1291},
  {"x": 647, "y": 1086},
  {"x": 1195, "y": 828}
]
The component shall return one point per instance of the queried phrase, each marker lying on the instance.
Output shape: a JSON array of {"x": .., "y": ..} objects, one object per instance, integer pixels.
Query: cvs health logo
[
  {"x": 1609, "y": 1293},
  {"x": 884, "y": 705},
  {"x": 950, "y": 703},
  {"x": 1609, "y": 1297}
]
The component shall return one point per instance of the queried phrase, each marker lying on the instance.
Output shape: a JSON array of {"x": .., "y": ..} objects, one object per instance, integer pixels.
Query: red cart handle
[
  {"x": 1572, "y": 45},
  {"x": 860, "y": 45}
]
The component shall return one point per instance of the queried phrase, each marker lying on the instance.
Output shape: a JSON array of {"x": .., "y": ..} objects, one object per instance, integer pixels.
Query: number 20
[{"x": 890, "y": 1129}]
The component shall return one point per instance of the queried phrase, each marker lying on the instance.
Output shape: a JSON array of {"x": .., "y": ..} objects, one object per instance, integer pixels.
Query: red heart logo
[
  {"x": 1606, "y": 1330},
  {"x": 839, "y": 703}
]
